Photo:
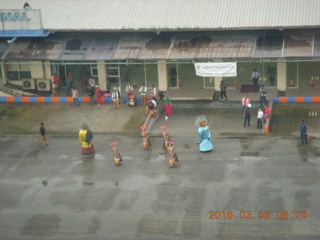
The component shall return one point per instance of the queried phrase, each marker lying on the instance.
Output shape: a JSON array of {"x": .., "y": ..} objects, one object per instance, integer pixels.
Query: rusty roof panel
[{"x": 298, "y": 44}]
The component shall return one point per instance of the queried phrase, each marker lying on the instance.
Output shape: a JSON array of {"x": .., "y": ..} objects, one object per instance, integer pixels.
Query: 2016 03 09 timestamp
[{"x": 262, "y": 214}]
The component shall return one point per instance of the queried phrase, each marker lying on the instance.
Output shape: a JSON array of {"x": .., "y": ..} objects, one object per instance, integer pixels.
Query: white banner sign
[{"x": 221, "y": 69}]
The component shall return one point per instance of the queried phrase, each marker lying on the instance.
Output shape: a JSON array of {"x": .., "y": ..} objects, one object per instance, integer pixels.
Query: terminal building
[{"x": 159, "y": 42}]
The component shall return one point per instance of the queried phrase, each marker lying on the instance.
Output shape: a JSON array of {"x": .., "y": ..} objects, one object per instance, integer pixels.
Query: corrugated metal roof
[{"x": 103, "y": 15}]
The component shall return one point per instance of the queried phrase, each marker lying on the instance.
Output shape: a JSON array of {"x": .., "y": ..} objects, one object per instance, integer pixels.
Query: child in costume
[
  {"x": 145, "y": 138},
  {"x": 116, "y": 155},
  {"x": 166, "y": 137},
  {"x": 205, "y": 144},
  {"x": 173, "y": 158},
  {"x": 85, "y": 139}
]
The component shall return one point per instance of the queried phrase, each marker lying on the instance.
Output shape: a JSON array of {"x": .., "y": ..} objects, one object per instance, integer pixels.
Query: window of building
[{"x": 16, "y": 71}]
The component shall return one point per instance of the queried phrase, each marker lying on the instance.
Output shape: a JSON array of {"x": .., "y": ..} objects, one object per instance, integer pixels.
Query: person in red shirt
[{"x": 267, "y": 112}]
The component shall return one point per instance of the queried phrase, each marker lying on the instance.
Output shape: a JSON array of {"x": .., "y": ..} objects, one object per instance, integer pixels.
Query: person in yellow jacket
[{"x": 85, "y": 139}]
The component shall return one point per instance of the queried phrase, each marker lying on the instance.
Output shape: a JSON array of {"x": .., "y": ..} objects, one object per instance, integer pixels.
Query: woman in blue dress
[{"x": 205, "y": 144}]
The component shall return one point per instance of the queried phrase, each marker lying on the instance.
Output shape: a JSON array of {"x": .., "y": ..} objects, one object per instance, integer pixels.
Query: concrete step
[{"x": 211, "y": 104}]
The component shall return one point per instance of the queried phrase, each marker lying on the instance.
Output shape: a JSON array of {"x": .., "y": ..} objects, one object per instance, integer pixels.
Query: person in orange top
[
  {"x": 145, "y": 138},
  {"x": 116, "y": 155},
  {"x": 173, "y": 158}
]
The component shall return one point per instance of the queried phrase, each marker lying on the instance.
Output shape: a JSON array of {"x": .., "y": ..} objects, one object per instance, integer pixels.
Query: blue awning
[{"x": 23, "y": 33}]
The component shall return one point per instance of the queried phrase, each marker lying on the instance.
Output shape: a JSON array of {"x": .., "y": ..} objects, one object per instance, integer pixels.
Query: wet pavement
[{"x": 251, "y": 186}]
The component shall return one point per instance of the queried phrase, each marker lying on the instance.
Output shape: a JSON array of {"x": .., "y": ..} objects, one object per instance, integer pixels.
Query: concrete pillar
[
  {"x": 4, "y": 75},
  {"x": 36, "y": 69},
  {"x": 217, "y": 81},
  {"x": 281, "y": 76},
  {"x": 162, "y": 75},
  {"x": 102, "y": 75}
]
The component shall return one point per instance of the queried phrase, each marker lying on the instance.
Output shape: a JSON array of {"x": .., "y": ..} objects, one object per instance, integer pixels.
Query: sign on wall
[
  {"x": 221, "y": 69},
  {"x": 18, "y": 19}
]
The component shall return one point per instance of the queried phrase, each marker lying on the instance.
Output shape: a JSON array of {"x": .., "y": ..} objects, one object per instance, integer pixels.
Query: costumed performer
[
  {"x": 85, "y": 139},
  {"x": 204, "y": 142},
  {"x": 116, "y": 155},
  {"x": 145, "y": 138},
  {"x": 166, "y": 137},
  {"x": 173, "y": 158}
]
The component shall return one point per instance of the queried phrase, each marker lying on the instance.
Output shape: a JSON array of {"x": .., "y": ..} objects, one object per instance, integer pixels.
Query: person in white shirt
[
  {"x": 143, "y": 91},
  {"x": 129, "y": 90},
  {"x": 153, "y": 91},
  {"x": 255, "y": 77},
  {"x": 115, "y": 98},
  {"x": 259, "y": 118}
]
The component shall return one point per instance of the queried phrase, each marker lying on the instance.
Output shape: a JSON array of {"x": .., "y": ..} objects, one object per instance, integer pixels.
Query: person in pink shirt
[
  {"x": 245, "y": 101},
  {"x": 98, "y": 95}
]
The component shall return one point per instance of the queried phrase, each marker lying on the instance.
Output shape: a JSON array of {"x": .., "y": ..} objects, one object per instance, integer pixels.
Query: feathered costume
[{"x": 204, "y": 142}]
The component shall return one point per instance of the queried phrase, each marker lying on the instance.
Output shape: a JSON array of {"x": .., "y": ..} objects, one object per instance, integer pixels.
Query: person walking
[
  {"x": 90, "y": 92},
  {"x": 247, "y": 115},
  {"x": 259, "y": 118},
  {"x": 75, "y": 95},
  {"x": 303, "y": 132},
  {"x": 98, "y": 95},
  {"x": 42, "y": 131},
  {"x": 223, "y": 90},
  {"x": 115, "y": 98},
  {"x": 255, "y": 78},
  {"x": 263, "y": 96},
  {"x": 143, "y": 91}
]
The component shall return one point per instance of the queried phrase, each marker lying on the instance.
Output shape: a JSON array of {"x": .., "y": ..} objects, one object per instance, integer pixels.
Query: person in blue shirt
[{"x": 303, "y": 132}]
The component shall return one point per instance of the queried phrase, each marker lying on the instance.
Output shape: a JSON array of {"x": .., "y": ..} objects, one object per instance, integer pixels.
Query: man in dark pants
[
  {"x": 42, "y": 131},
  {"x": 303, "y": 132},
  {"x": 263, "y": 96},
  {"x": 223, "y": 90},
  {"x": 255, "y": 78},
  {"x": 247, "y": 115}
]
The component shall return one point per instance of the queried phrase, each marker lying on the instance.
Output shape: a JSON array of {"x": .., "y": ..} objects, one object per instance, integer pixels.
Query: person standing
[
  {"x": 259, "y": 118},
  {"x": 303, "y": 132},
  {"x": 55, "y": 84},
  {"x": 129, "y": 90},
  {"x": 263, "y": 96},
  {"x": 69, "y": 84},
  {"x": 75, "y": 95},
  {"x": 118, "y": 89},
  {"x": 90, "y": 92},
  {"x": 205, "y": 143},
  {"x": 115, "y": 98},
  {"x": 255, "y": 78},
  {"x": 98, "y": 95},
  {"x": 153, "y": 91},
  {"x": 92, "y": 82},
  {"x": 167, "y": 106},
  {"x": 42, "y": 131},
  {"x": 247, "y": 115},
  {"x": 245, "y": 101},
  {"x": 223, "y": 90},
  {"x": 143, "y": 91}
]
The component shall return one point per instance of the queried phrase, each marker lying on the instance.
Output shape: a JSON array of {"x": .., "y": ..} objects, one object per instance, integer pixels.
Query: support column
[
  {"x": 102, "y": 75},
  {"x": 281, "y": 76},
  {"x": 217, "y": 80},
  {"x": 162, "y": 76},
  {"x": 4, "y": 74}
]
